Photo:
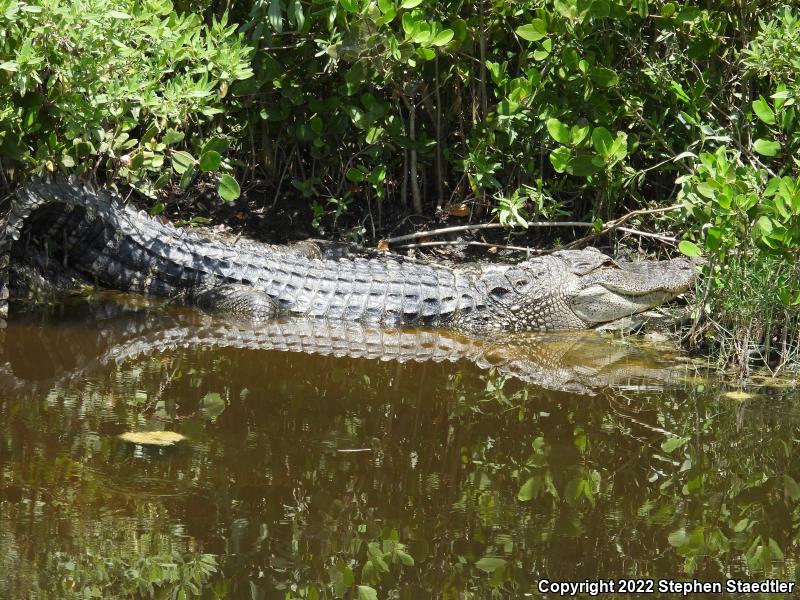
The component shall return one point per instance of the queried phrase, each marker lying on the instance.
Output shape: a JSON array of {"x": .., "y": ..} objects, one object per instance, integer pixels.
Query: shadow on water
[{"x": 327, "y": 460}]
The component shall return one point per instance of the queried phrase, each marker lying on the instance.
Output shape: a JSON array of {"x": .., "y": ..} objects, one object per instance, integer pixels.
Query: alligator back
[{"x": 106, "y": 239}]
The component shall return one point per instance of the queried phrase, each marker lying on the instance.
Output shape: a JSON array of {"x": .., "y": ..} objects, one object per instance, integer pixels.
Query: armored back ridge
[{"x": 106, "y": 240}]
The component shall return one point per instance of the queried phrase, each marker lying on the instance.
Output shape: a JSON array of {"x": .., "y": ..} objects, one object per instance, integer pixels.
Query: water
[{"x": 453, "y": 468}]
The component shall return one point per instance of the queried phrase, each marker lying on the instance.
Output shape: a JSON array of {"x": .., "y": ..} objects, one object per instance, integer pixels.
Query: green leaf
[
  {"x": 115, "y": 14},
  {"x": 355, "y": 175},
  {"x": 442, "y": 38},
  {"x": 490, "y": 563},
  {"x": 212, "y": 405},
  {"x": 766, "y": 147},
  {"x": 366, "y": 592},
  {"x": 275, "y": 15},
  {"x": 791, "y": 487},
  {"x": 410, "y": 3},
  {"x": 763, "y": 111},
  {"x": 530, "y": 489},
  {"x": 149, "y": 134},
  {"x": 137, "y": 162},
  {"x": 181, "y": 161},
  {"x": 210, "y": 161},
  {"x": 533, "y": 31},
  {"x": 228, "y": 188},
  {"x": 558, "y": 131},
  {"x": 560, "y": 159},
  {"x": 187, "y": 177},
  {"x": 604, "y": 77},
  {"x": 673, "y": 443},
  {"x": 585, "y": 164},
  {"x": 602, "y": 141},
  {"x": 173, "y": 137},
  {"x": 707, "y": 190},
  {"x": 775, "y": 550},
  {"x": 678, "y": 538},
  {"x": 578, "y": 133},
  {"x": 688, "y": 248}
]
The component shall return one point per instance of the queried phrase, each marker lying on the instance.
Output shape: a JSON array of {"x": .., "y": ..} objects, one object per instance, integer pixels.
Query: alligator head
[{"x": 577, "y": 289}]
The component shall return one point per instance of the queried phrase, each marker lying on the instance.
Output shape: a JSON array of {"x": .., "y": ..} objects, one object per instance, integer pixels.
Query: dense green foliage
[{"x": 523, "y": 110}]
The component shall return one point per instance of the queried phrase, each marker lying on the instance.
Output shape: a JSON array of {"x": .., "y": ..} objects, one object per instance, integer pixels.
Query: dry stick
[
  {"x": 471, "y": 243},
  {"x": 283, "y": 176},
  {"x": 609, "y": 226},
  {"x": 455, "y": 229},
  {"x": 656, "y": 236}
]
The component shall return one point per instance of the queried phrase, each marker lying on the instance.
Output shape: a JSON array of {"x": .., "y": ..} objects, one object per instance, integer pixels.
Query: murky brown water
[{"x": 458, "y": 468}]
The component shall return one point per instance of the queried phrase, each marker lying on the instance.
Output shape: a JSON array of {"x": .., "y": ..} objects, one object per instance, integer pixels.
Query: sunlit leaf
[
  {"x": 763, "y": 111},
  {"x": 688, "y": 248},
  {"x": 558, "y": 131},
  {"x": 228, "y": 188},
  {"x": 673, "y": 443},
  {"x": 533, "y": 31}
]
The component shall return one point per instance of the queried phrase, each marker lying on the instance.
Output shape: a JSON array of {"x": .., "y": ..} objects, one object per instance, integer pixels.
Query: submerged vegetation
[{"x": 363, "y": 111}]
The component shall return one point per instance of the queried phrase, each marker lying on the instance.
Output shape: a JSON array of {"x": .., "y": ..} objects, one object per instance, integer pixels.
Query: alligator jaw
[{"x": 631, "y": 288}]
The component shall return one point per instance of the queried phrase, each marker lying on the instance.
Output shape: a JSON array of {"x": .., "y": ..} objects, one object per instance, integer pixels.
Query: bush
[{"x": 116, "y": 86}]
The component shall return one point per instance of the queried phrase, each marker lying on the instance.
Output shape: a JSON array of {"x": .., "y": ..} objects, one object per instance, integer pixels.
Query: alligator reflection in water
[
  {"x": 580, "y": 362},
  {"x": 467, "y": 483}
]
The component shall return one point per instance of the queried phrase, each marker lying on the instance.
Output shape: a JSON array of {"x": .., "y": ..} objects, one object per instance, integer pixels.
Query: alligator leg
[{"x": 236, "y": 299}]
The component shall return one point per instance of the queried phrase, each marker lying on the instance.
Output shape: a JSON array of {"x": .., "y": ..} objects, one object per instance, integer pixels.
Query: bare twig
[
  {"x": 458, "y": 228},
  {"x": 610, "y": 226},
  {"x": 472, "y": 243}
]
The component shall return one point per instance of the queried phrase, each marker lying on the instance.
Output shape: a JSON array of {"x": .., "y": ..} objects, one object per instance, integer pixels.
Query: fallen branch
[
  {"x": 459, "y": 228},
  {"x": 610, "y": 226},
  {"x": 471, "y": 243}
]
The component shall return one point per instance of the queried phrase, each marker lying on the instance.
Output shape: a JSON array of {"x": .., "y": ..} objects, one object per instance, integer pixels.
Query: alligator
[
  {"x": 92, "y": 337},
  {"x": 98, "y": 235}
]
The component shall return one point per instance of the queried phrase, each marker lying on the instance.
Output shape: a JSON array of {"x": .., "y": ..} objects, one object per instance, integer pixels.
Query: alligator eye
[
  {"x": 521, "y": 283},
  {"x": 499, "y": 292}
]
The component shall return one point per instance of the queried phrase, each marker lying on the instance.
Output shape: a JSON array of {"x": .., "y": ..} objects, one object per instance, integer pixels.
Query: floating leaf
[
  {"x": 152, "y": 438},
  {"x": 739, "y": 395}
]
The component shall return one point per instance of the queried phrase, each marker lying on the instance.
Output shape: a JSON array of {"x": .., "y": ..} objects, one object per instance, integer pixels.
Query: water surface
[{"x": 326, "y": 461}]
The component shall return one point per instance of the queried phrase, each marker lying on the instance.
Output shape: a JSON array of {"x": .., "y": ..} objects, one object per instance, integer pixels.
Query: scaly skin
[{"x": 109, "y": 242}]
